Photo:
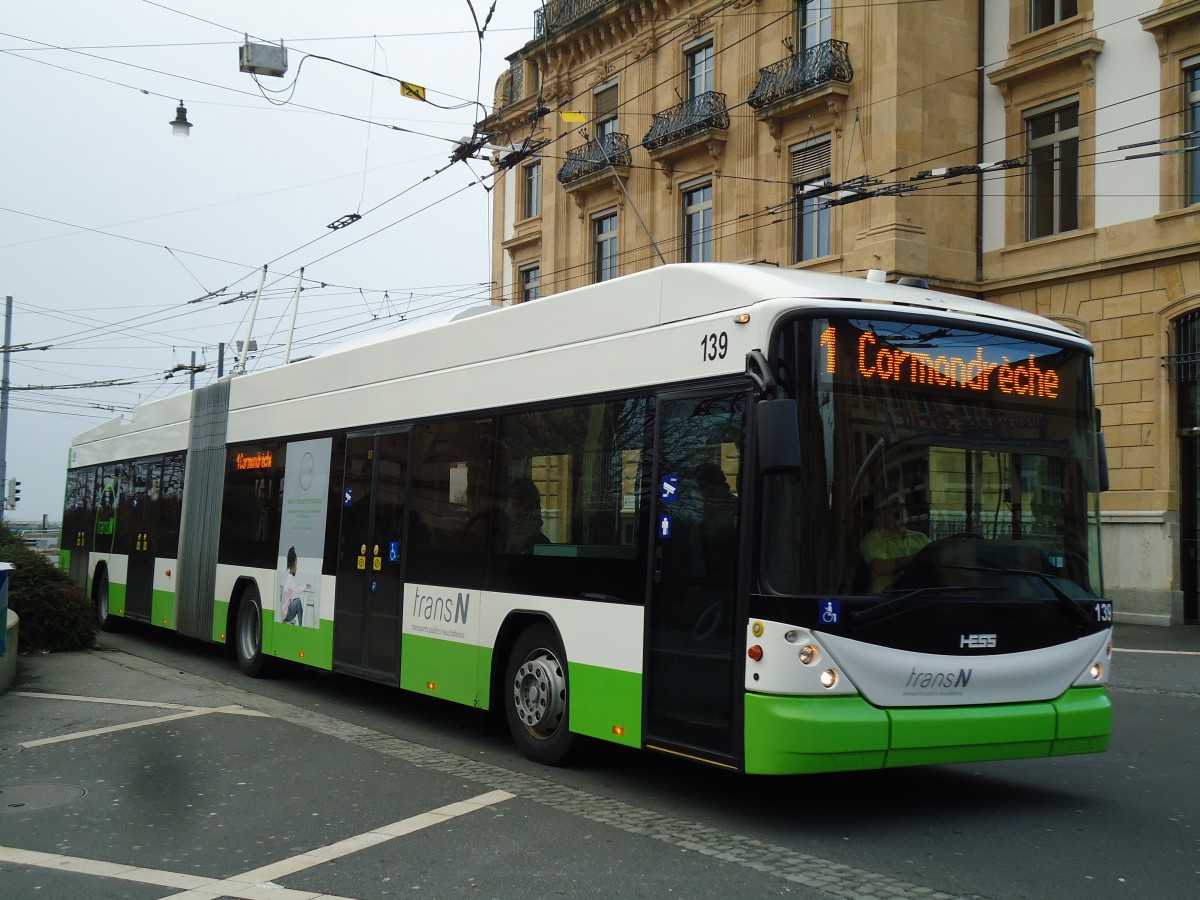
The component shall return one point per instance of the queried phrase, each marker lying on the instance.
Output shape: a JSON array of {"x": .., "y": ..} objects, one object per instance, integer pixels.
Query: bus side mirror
[
  {"x": 778, "y": 434},
  {"x": 1101, "y": 454}
]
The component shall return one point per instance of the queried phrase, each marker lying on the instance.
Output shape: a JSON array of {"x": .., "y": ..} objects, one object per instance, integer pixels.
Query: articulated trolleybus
[{"x": 770, "y": 520}]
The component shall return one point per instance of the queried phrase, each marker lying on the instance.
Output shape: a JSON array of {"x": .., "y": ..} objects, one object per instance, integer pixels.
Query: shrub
[{"x": 55, "y": 615}]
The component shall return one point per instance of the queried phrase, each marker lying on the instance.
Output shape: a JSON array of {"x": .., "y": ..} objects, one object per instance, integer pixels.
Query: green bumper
[{"x": 800, "y": 735}]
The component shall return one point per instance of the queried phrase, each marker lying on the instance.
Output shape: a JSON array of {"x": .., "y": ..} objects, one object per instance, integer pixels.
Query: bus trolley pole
[
  {"x": 636, "y": 212},
  {"x": 287, "y": 351},
  {"x": 240, "y": 367}
]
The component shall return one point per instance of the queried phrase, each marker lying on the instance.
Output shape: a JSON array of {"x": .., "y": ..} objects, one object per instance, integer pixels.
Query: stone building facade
[{"x": 1043, "y": 154}]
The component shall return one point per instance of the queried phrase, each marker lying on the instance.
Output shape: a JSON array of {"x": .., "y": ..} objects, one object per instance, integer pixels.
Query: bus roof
[{"x": 634, "y": 303}]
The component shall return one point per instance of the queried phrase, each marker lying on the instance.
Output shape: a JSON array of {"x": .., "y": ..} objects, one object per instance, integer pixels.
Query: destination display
[{"x": 904, "y": 355}]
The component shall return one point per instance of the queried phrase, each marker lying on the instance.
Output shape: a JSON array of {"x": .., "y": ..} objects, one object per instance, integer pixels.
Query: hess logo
[{"x": 977, "y": 641}]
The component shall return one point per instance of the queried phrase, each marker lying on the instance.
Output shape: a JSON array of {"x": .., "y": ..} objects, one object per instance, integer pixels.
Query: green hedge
[{"x": 55, "y": 615}]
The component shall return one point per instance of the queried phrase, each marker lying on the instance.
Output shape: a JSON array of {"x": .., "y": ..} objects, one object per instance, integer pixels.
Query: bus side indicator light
[
  {"x": 619, "y": 730},
  {"x": 755, "y": 653},
  {"x": 302, "y": 654},
  {"x": 430, "y": 686}
]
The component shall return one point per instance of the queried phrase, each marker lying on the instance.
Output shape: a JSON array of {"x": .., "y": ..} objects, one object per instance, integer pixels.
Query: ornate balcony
[
  {"x": 594, "y": 157},
  {"x": 800, "y": 73},
  {"x": 559, "y": 14},
  {"x": 704, "y": 112}
]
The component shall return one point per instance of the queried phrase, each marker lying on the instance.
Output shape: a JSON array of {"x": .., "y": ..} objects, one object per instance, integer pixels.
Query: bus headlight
[
  {"x": 809, "y": 654},
  {"x": 829, "y": 678},
  {"x": 1097, "y": 671}
]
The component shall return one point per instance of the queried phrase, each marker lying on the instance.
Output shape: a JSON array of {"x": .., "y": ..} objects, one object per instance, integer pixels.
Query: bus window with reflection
[{"x": 984, "y": 442}]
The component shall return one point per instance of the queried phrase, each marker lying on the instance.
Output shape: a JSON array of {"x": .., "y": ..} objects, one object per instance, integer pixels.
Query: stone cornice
[{"x": 1017, "y": 70}]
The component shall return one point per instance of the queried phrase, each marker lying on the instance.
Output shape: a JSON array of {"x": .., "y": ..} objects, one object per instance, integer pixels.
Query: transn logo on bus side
[{"x": 429, "y": 608}]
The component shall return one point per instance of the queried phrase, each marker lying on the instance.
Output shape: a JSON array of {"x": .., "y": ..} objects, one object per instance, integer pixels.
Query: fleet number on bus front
[{"x": 714, "y": 346}]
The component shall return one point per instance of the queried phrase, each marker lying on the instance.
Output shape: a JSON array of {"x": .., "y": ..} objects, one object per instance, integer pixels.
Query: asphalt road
[{"x": 151, "y": 768}]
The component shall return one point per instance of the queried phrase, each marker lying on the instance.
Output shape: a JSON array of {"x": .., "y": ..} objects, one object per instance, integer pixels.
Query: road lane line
[
  {"x": 78, "y": 735},
  {"x": 1161, "y": 652},
  {"x": 114, "y": 701},
  {"x": 285, "y": 867},
  {"x": 255, "y": 884}
]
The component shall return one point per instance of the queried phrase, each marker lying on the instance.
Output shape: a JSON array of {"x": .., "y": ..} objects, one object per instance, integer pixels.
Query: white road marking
[
  {"x": 1161, "y": 652},
  {"x": 256, "y": 884},
  {"x": 188, "y": 712}
]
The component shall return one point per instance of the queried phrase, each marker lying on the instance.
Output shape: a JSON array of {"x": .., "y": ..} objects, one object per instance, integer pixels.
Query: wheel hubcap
[{"x": 540, "y": 693}]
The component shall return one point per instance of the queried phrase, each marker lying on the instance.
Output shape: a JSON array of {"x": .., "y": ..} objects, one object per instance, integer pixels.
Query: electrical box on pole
[{"x": 14, "y": 493}]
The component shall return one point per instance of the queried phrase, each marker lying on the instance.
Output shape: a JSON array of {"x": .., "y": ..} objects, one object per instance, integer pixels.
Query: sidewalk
[{"x": 1180, "y": 638}]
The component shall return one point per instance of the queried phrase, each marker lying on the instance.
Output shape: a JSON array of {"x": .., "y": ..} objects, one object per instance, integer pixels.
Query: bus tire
[
  {"x": 536, "y": 701},
  {"x": 107, "y": 621},
  {"x": 247, "y": 635}
]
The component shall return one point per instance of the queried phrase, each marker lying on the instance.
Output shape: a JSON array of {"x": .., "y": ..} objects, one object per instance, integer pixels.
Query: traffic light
[{"x": 14, "y": 493}]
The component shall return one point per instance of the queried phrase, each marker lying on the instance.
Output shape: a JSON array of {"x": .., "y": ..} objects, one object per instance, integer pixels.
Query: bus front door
[
  {"x": 370, "y": 579},
  {"x": 692, "y": 671}
]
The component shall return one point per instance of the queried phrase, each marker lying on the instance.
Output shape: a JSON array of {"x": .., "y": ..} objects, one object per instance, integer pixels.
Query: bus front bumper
[{"x": 800, "y": 735}]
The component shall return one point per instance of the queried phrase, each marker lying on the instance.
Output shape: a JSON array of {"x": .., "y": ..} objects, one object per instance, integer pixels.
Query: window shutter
[
  {"x": 811, "y": 161},
  {"x": 606, "y": 102}
]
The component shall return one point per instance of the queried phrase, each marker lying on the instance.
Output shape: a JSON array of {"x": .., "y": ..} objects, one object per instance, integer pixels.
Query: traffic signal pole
[{"x": 4, "y": 400}]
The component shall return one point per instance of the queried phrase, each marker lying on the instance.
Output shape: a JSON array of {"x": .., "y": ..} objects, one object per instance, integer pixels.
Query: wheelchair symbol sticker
[
  {"x": 394, "y": 551},
  {"x": 831, "y": 612}
]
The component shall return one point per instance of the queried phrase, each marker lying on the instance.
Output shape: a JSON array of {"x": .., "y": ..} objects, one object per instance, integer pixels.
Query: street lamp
[{"x": 180, "y": 126}]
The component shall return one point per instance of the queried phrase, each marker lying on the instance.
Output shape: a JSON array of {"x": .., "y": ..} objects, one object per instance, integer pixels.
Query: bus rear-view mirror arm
[{"x": 777, "y": 424}]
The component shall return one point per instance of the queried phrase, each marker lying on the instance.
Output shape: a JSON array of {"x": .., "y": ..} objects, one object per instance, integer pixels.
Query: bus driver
[{"x": 891, "y": 545}]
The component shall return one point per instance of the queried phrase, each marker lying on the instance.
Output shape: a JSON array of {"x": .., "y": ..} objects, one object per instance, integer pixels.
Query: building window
[
  {"x": 531, "y": 282},
  {"x": 1052, "y": 199},
  {"x": 531, "y": 183},
  {"x": 699, "y": 69},
  {"x": 1044, "y": 13},
  {"x": 1191, "y": 81},
  {"x": 811, "y": 162},
  {"x": 605, "y": 115},
  {"x": 697, "y": 222},
  {"x": 816, "y": 23},
  {"x": 604, "y": 246}
]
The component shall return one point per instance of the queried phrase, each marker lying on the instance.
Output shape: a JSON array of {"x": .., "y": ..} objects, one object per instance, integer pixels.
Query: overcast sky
[{"x": 126, "y": 249}]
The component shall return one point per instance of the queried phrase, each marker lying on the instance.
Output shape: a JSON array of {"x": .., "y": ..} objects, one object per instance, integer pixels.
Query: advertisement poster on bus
[{"x": 302, "y": 533}]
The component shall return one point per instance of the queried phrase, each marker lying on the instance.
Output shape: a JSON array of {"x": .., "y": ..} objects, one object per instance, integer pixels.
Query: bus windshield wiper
[
  {"x": 1065, "y": 600},
  {"x": 895, "y": 604}
]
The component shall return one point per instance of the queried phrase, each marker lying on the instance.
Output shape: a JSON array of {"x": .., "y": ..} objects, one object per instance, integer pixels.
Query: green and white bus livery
[{"x": 769, "y": 520}]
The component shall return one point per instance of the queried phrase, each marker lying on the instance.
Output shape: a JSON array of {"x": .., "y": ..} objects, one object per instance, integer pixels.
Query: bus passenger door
[
  {"x": 370, "y": 583},
  {"x": 692, "y": 671},
  {"x": 136, "y": 527}
]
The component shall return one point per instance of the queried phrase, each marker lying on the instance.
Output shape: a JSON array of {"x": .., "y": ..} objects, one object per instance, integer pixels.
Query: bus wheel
[
  {"x": 536, "y": 699},
  {"x": 104, "y": 618},
  {"x": 248, "y": 634}
]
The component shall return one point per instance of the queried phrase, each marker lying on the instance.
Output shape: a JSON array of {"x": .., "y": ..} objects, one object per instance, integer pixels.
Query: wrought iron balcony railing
[
  {"x": 595, "y": 156},
  {"x": 826, "y": 62},
  {"x": 558, "y": 14},
  {"x": 701, "y": 113}
]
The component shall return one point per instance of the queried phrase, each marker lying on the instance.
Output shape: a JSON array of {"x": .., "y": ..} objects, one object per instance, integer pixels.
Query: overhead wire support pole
[
  {"x": 240, "y": 368},
  {"x": 4, "y": 400},
  {"x": 287, "y": 351}
]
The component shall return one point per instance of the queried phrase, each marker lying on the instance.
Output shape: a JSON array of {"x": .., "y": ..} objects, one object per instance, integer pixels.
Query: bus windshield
[{"x": 934, "y": 458}]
